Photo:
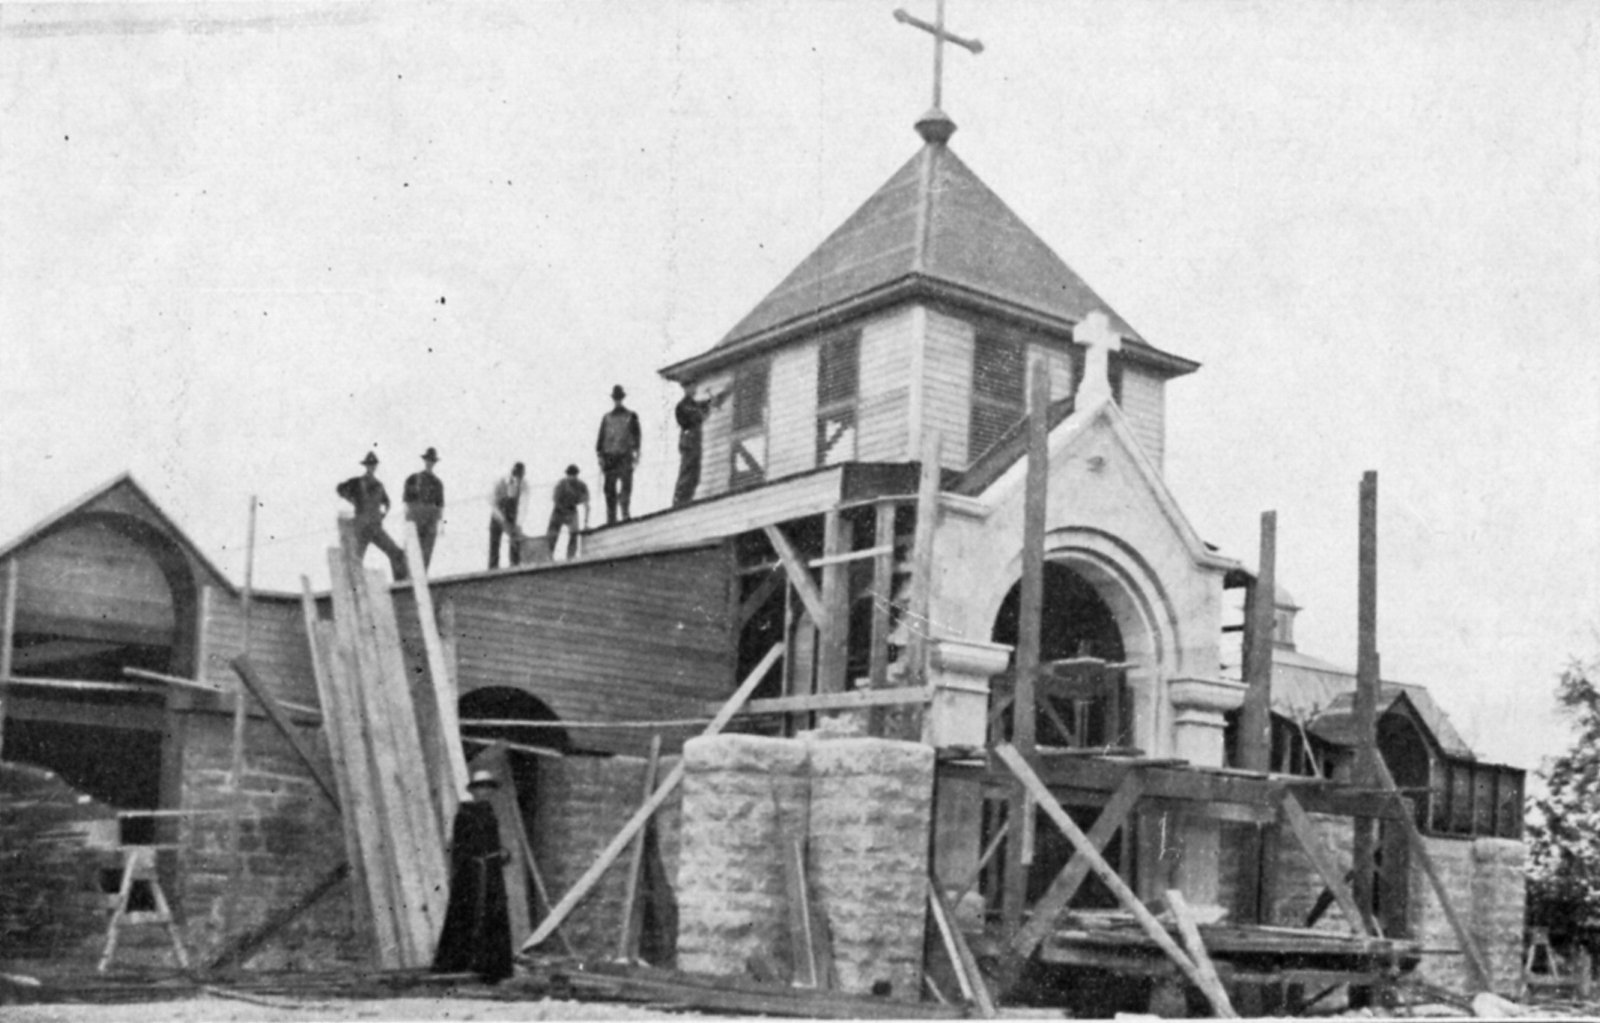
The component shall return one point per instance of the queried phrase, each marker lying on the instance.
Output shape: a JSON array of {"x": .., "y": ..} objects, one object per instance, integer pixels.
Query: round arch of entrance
[{"x": 1138, "y": 604}]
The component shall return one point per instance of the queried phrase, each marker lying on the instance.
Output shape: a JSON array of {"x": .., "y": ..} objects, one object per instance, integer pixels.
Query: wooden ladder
[{"x": 139, "y": 864}]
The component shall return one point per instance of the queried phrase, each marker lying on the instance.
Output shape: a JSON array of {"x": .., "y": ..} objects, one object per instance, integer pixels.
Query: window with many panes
[
  {"x": 749, "y": 426},
  {"x": 999, "y": 391},
  {"x": 838, "y": 383}
]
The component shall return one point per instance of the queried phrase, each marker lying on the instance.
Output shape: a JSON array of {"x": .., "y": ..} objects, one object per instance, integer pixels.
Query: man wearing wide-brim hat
[
  {"x": 618, "y": 447},
  {"x": 424, "y": 500},
  {"x": 371, "y": 503}
]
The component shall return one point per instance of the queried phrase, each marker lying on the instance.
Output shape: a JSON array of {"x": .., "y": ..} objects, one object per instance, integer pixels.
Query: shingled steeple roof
[{"x": 933, "y": 230}]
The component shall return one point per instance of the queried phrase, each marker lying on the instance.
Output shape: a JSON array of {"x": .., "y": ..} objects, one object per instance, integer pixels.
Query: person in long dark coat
[{"x": 476, "y": 936}]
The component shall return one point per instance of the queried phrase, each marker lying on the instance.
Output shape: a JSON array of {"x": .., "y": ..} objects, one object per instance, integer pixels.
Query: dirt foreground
[{"x": 211, "y": 1009}]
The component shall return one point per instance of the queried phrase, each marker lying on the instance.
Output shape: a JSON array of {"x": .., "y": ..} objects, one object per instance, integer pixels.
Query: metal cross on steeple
[{"x": 940, "y": 37}]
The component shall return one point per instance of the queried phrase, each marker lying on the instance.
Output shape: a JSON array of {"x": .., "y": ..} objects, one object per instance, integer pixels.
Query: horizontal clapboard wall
[
  {"x": 278, "y": 645},
  {"x": 1144, "y": 402},
  {"x": 640, "y": 638},
  {"x": 884, "y": 405},
  {"x": 792, "y": 411},
  {"x": 947, "y": 385}
]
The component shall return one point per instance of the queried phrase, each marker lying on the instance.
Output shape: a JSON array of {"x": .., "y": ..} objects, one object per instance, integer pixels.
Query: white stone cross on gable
[{"x": 1095, "y": 331}]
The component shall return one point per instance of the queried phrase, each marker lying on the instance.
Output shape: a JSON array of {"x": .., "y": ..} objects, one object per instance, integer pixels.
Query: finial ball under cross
[{"x": 1095, "y": 331}]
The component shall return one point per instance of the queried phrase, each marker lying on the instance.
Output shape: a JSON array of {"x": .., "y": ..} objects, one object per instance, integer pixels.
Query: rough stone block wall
[
  {"x": 290, "y": 837},
  {"x": 1485, "y": 877},
  {"x": 871, "y": 811},
  {"x": 51, "y": 859},
  {"x": 1499, "y": 906},
  {"x": 580, "y": 805},
  {"x": 743, "y": 796},
  {"x": 866, "y": 806}
]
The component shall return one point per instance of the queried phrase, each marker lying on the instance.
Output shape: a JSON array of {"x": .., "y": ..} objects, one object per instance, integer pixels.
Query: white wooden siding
[
  {"x": 1062, "y": 377},
  {"x": 883, "y": 408},
  {"x": 1144, "y": 402},
  {"x": 792, "y": 411},
  {"x": 714, "y": 448},
  {"x": 947, "y": 385}
]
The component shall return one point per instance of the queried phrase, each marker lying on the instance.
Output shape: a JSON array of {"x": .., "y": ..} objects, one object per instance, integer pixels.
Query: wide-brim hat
[
  {"x": 618, "y": 393},
  {"x": 572, "y": 470},
  {"x": 371, "y": 459},
  {"x": 430, "y": 455},
  {"x": 483, "y": 780}
]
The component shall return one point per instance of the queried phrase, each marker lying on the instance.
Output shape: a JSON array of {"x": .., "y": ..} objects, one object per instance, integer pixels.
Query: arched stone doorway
[
  {"x": 504, "y": 703},
  {"x": 1074, "y": 622}
]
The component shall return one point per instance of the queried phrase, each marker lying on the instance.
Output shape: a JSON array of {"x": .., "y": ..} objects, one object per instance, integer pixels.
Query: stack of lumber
[{"x": 397, "y": 773}]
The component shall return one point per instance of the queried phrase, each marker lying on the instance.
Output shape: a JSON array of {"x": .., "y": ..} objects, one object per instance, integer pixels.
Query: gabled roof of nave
[{"x": 936, "y": 223}]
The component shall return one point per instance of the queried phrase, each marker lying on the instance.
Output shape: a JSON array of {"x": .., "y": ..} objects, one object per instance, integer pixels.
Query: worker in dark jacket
[
  {"x": 618, "y": 447},
  {"x": 569, "y": 495},
  {"x": 476, "y": 936},
  {"x": 424, "y": 501},
  {"x": 371, "y": 503},
  {"x": 691, "y": 414}
]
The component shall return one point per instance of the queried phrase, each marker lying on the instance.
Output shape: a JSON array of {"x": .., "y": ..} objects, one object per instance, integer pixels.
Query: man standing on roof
[
  {"x": 503, "y": 519},
  {"x": 691, "y": 413},
  {"x": 618, "y": 448},
  {"x": 371, "y": 503},
  {"x": 569, "y": 495},
  {"x": 424, "y": 501}
]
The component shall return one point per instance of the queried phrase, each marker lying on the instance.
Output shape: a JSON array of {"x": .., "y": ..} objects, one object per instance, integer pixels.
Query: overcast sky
[{"x": 241, "y": 245}]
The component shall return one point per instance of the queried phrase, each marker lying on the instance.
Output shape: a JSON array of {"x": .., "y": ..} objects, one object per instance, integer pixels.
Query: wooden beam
[
  {"x": 1305, "y": 833},
  {"x": 1147, "y": 922},
  {"x": 851, "y": 700},
  {"x": 799, "y": 575},
  {"x": 320, "y": 643},
  {"x": 246, "y": 670},
  {"x": 391, "y": 818},
  {"x": 1364, "y": 843},
  {"x": 833, "y": 657},
  {"x": 1255, "y": 716},
  {"x": 973, "y": 986},
  {"x": 239, "y": 951},
  {"x": 918, "y": 628},
  {"x": 1042, "y": 923},
  {"x": 628, "y": 933},
  {"x": 848, "y": 556},
  {"x": 759, "y": 596},
  {"x": 1189, "y": 931},
  {"x": 177, "y": 680},
  {"x": 585, "y": 884},
  {"x": 441, "y": 693},
  {"x": 882, "y": 596}
]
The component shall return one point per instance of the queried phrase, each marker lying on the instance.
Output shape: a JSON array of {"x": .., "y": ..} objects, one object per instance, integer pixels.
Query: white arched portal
[{"x": 1144, "y": 614}]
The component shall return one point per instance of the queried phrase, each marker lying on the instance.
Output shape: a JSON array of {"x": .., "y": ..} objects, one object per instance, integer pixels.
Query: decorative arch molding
[{"x": 1139, "y": 603}]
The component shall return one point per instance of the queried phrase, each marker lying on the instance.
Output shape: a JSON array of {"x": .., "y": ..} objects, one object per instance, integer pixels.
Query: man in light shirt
[{"x": 503, "y": 517}]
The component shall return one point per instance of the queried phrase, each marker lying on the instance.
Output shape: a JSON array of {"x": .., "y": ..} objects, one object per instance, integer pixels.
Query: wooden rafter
[{"x": 799, "y": 575}]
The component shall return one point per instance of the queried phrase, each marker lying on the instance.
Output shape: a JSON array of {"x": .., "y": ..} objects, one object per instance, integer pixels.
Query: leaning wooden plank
[
  {"x": 797, "y": 903},
  {"x": 1189, "y": 931},
  {"x": 443, "y": 683},
  {"x": 608, "y": 856},
  {"x": 833, "y": 701},
  {"x": 967, "y": 972},
  {"x": 1146, "y": 920},
  {"x": 1306, "y": 833},
  {"x": 246, "y": 670},
  {"x": 1419, "y": 849},
  {"x": 399, "y": 844},
  {"x": 539, "y": 889},
  {"x": 363, "y": 833},
  {"x": 419, "y": 772},
  {"x": 238, "y": 951},
  {"x": 628, "y": 933},
  {"x": 799, "y": 575},
  {"x": 1066, "y": 884},
  {"x": 508, "y": 819}
]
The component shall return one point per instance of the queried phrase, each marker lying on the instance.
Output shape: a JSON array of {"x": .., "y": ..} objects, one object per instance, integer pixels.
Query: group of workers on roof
[{"x": 616, "y": 446}]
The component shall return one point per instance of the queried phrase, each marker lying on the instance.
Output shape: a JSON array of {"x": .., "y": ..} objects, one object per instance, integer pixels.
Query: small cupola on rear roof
[{"x": 917, "y": 313}]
